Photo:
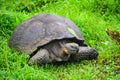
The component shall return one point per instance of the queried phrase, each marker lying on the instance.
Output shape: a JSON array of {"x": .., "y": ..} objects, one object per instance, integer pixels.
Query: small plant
[{"x": 115, "y": 35}]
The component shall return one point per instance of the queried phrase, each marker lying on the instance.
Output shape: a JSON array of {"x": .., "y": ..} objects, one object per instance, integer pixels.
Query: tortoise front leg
[
  {"x": 84, "y": 53},
  {"x": 41, "y": 57}
]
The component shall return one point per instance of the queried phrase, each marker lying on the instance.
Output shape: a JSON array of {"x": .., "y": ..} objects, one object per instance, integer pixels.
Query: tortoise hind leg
[
  {"x": 41, "y": 57},
  {"x": 85, "y": 53}
]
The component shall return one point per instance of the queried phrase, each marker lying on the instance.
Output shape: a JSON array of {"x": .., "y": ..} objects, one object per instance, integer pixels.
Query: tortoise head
[{"x": 71, "y": 48}]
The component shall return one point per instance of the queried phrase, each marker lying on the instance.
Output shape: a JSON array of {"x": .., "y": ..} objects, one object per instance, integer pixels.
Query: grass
[{"x": 93, "y": 17}]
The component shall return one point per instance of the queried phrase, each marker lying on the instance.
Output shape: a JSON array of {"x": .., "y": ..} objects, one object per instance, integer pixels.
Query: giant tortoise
[{"x": 49, "y": 38}]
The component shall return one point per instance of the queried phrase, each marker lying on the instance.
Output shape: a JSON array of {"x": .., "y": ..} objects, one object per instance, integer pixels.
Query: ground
[{"x": 92, "y": 17}]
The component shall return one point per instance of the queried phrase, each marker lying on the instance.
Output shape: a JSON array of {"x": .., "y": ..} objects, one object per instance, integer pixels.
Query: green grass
[{"x": 93, "y": 17}]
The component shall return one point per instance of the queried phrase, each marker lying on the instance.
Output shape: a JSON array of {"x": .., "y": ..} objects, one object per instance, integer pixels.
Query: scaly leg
[{"x": 41, "y": 57}]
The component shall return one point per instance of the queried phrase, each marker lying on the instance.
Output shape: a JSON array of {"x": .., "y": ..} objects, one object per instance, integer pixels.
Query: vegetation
[{"x": 93, "y": 17}]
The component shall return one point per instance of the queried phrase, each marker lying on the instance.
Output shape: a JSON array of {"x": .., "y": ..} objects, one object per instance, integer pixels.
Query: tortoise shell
[{"x": 41, "y": 30}]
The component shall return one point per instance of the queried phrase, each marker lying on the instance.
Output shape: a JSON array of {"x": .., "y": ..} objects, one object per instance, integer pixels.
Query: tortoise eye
[{"x": 72, "y": 46}]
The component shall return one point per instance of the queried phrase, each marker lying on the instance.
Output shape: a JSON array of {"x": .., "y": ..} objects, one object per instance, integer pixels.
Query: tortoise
[{"x": 49, "y": 38}]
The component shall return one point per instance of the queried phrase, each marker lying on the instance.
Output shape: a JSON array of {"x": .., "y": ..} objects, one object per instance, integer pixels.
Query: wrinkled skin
[{"x": 62, "y": 51}]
